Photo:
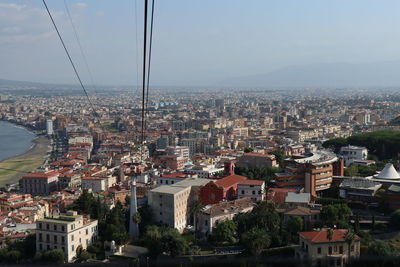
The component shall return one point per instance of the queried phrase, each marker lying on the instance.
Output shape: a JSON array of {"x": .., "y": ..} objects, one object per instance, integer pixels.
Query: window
[
  {"x": 335, "y": 248},
  {"x": 73, "y": 248},
  {"x": 48, "y": 238},
  {"x": 63, "y": 239},
  {"x": 254, "y": 192},
  {"x": 72, "y": 237},
  {"x": 205, "y": 222},
  {"x": 319, "y": 250},
  {"x": 47, "y": 226},
  {"x": 160, "y": 212},
  {"x": 307, "y": 248},
  {"x": 330, "y": 250},
  {"x": 63, "y": 228},
  {"x": 63, "y": 248},
  {"x": 55, "y": 227},
  {"x": 341, "y": 249},
  {"x": 48, "y": 247},
  {"x": 242, "y": 192},
  {"x": 160, "y": 204},
  {"x": 40, "y": 237},
  {"x": 40, "y": 225},
  {"x": 55, "y": 239},
  {"x": 352, "y": 248},
  {"x": 40, "y": 247},
  {"x": 87, "y": 231}
]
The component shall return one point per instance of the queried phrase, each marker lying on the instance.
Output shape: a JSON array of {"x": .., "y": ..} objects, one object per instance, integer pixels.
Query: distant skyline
[{"x": 196, "y": 42}]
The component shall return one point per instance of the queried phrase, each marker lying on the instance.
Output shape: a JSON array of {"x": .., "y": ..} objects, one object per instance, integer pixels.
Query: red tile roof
[
  {"x": 339, "y": 235},
  {"x": 258, "y": 154},
  {"x": 39, "y": 175},
  {"x": 230, "y": 180},
  {"x": 252, "y": 182}
]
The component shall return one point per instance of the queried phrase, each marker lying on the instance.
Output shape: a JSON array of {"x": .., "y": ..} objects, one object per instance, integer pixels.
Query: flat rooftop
[{"x": 318, "y": 157}]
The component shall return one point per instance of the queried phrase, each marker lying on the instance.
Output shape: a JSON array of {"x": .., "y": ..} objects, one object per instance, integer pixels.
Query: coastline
[{"x": 13, "y": 168}]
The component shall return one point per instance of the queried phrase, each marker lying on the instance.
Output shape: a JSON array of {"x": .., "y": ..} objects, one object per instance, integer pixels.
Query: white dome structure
[{"x": 389, "y": 173}]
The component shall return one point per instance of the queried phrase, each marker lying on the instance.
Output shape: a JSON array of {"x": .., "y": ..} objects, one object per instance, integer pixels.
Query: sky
[{"x": 196, "y": 42}]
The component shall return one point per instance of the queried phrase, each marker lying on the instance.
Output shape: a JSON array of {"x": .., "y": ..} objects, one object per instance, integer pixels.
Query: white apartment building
[
  {"x": 353, "y": 153},
  {"x": 205, "y": 171},
  {"x": 80, "y": 139},
  {"x": 67, "y": 232},
  {"x": 98, "y": 184},
  {"x": 170, "y": 203},
  {"x": 253, "y": 189},
  {"x": 180, "y": 151}
]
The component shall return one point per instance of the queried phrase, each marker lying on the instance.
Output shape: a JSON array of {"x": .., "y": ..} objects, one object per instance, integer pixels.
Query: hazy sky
[{"x": 196, "y": 42}]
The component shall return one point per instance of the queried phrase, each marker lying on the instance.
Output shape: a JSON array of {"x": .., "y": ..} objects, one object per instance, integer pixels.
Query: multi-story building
[
  {"x": 313, "y": 172},
  {"x": 11, "y": 201},
  {"x": 253, "y": 189},
  {"x": 39, "y": 183},
  {"x": 327, "y": 247},
  {"x": 180, "y": 151},
  {"x": 257, "y": 160},
  {"x": 68, "y": 232},
  {"x": 353, "y": 153},
  {"x": 49, "y": 127},
  {"x": 170, "y": 203}
]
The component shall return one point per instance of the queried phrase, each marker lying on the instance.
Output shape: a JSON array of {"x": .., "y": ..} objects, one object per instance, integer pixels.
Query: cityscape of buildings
[{"x": 224, "y": 151}]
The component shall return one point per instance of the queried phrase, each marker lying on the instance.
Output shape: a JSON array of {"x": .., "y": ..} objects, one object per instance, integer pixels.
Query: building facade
[
  {"x": 68, "y": 232},
  {"x": 325, "y": 248}
]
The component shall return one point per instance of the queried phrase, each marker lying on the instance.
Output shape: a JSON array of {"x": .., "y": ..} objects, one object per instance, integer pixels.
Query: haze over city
[{"x": 207, "y": 43}]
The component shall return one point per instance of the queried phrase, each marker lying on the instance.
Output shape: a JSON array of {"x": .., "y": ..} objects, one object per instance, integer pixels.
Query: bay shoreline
[{"x": 13, "y": 168}]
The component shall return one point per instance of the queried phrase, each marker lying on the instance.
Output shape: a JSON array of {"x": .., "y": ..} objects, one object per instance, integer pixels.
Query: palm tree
[
  {"x": 195, "y": 208},
  {"x": 349, "y": 238},
  {"x": 329, "y": 233}
]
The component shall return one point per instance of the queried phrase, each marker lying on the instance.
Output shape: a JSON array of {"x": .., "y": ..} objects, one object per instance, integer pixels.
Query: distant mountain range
[{"x": 324, "y": 75}]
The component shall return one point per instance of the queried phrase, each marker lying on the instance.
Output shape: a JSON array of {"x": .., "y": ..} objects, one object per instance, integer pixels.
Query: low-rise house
[
  {"x": 253, "y": 189},
  {"x": 309, "y": 215},
  {"x": 327, "y": 247},
  {"x": 213, "y": 214},
  {"x": 68, "y": 232}
]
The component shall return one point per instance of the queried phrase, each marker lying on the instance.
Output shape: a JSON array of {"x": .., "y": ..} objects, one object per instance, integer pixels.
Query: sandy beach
[{"x": 12, "y": 169}]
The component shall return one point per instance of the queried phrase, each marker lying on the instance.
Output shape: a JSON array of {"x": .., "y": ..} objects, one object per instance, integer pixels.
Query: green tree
[
  {"x": 294, "y": 225},
  {"x": 224, "y": 232},
  {"x": 395, "y": 219},
  {"x": 248, "y": 149},
  {"x": 173, "y": 243},
  {"x": 351, "y": 171},
  {"x": 382, "y": 248},
  {"x": 279, "y": 155},
  {"x": 349, "y": 238},
  {"x": 266, "y": 216},
  {"x": 335, "y": 144},
  {"x": 136, "y": 218},
  {"x": 55, "y": 256},
  {"x": 335, "y": 214},
  {"x": 84, "y": 256},
  {"x": 255, "y": 240},
  {"x": 195, "y": 209}
]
